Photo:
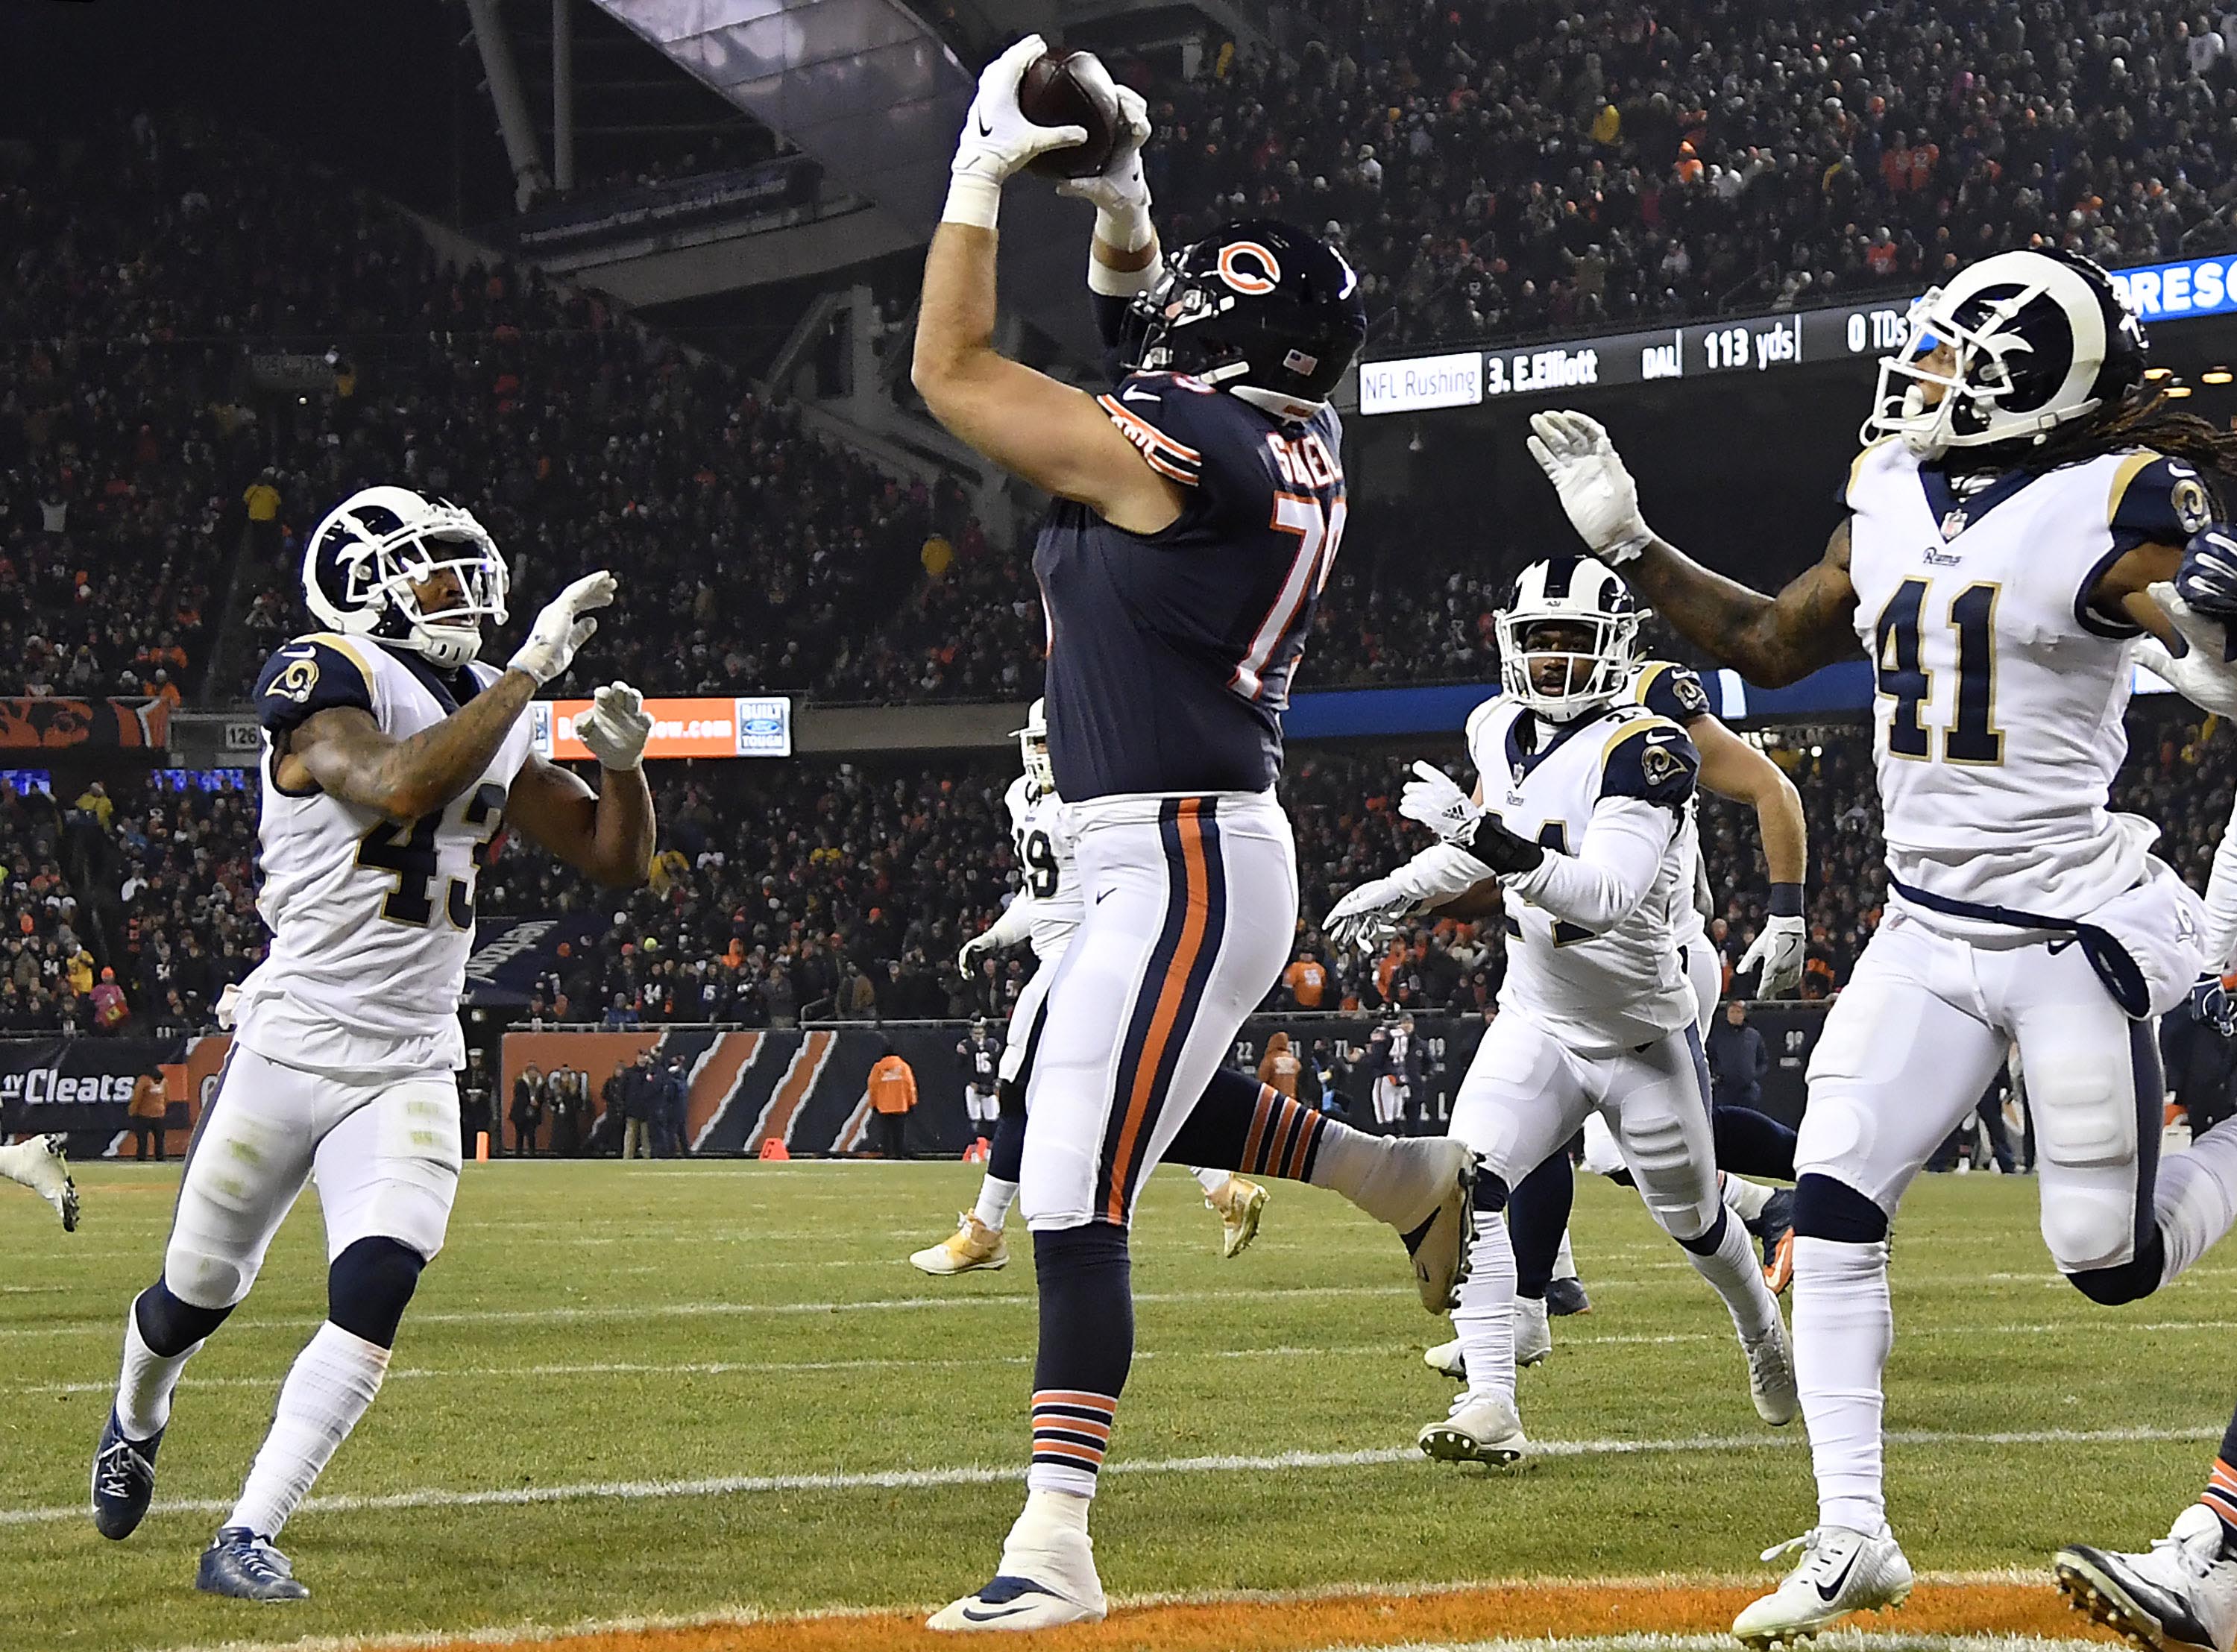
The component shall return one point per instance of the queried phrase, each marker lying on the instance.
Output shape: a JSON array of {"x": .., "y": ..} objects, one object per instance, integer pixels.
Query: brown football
[{"x": 1074, "y": 89}]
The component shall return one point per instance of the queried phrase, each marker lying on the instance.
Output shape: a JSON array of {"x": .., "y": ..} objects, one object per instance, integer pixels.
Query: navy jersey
[{"x": 1171, "y": 653}]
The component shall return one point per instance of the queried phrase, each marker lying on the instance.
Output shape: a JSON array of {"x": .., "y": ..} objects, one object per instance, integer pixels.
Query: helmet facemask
[
  {"x": 380, "y": 574},
  {"x": 1033, "y": 749},
  {"x": 1592, "y": 662}
]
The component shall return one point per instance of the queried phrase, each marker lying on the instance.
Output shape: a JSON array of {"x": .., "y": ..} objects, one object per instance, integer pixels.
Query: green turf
[{"x": 1990, "y": 1342}]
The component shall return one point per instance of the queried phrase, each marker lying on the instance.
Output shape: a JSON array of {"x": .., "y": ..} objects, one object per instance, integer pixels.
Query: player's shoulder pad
[
  {"x": 1173, "y": 419},
  {"x": 1019, "y": 799},
  {"x": 1670, "y": 690},
  {"x": 313, "y": 674},
  {"x": 2157, "y": 500},
  {"x": 1869, "y": 458},
  {"x": 1649, "y": 757},
  {"x": 1484, "y": 726}
]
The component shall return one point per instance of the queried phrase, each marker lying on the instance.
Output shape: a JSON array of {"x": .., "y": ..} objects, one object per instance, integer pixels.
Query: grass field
[{"x": 693, "y": 1392}]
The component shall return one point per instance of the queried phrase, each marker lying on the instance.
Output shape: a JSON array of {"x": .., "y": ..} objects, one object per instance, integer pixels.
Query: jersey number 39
[{"x": 409, "y": 851}]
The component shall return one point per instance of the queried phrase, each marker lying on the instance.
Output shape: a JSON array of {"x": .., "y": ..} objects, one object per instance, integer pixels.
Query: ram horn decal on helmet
[
  {"x": 1261, "y": 309},
  {"x": 364, "y": 563},
  {"x": 2012, "y": 348},
  {"x": 1568, "y": 592}
]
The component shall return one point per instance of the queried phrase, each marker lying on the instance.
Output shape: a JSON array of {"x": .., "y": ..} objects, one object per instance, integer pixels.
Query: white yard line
[{"x": 992, "y": 1474}]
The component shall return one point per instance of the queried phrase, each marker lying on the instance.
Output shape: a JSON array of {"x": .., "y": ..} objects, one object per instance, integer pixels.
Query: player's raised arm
[
  {"x": 345, "y": 752},
  {"x": 1048, "y": 433},
  {"x": 1770, "y": 639},
  {"x": 1732, "y": 769},
  {"x": 607, "y": 834}
]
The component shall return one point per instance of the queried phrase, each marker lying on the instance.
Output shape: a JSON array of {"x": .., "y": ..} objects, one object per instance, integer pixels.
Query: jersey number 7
[{"x": 409, "y": 851}]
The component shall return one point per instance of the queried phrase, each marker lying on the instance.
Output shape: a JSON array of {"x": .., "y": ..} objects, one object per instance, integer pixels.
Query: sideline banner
[
  {"x": 49, "y": 723},
  {"x": 81, "y": 1088},
  {"x": 747, "y": 725}
]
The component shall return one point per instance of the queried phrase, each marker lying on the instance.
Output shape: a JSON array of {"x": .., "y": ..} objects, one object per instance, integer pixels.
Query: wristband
[
  {"x": 1106, "y": 282},
  {"x": 1128, "y": 229},
  {"x": 971, "y": 199},
  {"x": 1786, "y": 900}
]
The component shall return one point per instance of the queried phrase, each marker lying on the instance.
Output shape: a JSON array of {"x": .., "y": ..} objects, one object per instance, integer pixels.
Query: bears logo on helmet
[{"x": 1261, "y": 309}]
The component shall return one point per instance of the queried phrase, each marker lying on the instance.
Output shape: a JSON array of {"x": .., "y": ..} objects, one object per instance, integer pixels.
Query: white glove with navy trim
[
  {"x": 616, "y": 727},
  {"x": 2201, "y": 674},
  {"x": 1593, "y": 484}
]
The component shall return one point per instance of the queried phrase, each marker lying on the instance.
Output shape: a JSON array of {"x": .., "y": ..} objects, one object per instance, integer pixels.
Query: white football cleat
[
  {"x": 1425, "y": 1187},
  {"x": 1242, "y": 1207},
  {"x": 1483, "y": 1430},
  {"x": 2179, "y": 1598},
  {"x": 1771, "y": 1375},
  {"x": 1447, "y": 1360},
  {"x": 1534, "y": 1337},
  {"x": 972, "y": 1247},
  {"x": 43, "y": 1165},
  {"x": 1047, "y": 1578},
  {"x": 1841, "y": 1572}
]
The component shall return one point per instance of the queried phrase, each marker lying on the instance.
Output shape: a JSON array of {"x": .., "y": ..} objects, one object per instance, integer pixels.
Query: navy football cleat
[
  {"x": 123, "y": 1479},
  {"x": 240, "y": 1563},
  {"x": 1565, "y": 1296}
]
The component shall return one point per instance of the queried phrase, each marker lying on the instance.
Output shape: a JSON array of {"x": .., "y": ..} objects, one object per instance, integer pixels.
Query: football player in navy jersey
[{"x": 1198, "y": 509}]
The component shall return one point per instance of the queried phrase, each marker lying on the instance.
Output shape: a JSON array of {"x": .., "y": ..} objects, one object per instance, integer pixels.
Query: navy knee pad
[
  {"x": 1709, "y": 1243},
  {"x": 1006, "y": 1154},
  {"x": 1491, "y": 1193},
  {"x": 1825, "y": 1208},
  {"x": 2129, "y": 1282},
  {"x": 368, "y": 1285},
  {"x": 171, "y": 1326}
]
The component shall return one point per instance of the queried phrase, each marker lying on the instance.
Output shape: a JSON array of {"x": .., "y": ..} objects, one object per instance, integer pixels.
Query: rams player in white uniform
[
  {"x": 391, "y": 761},
  {"x": 2023, "y": 500},
  {"x": 1045, "y": 914},
  {"x": 1581, "y": 819},
  {"x": 1538, "y": 1211}
]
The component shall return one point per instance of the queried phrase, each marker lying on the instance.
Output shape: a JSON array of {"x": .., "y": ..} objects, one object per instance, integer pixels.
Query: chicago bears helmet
[
  {"x": 1261, "y": 309},
  {"x": 2017, "y": 344},
  {"x": 1032, "y": 746},
  {"x": 363, "y": 562},
  {"x": 1568, "y": 591}
]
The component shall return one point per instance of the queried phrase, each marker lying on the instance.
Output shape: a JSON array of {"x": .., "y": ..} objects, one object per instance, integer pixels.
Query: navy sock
[
  {"x": 1007, "y": 1150},
  {"x": 1086, "y": 1279},
  {"x": 1537, "y": 1216},
  {"x": 1241, "y": 1124}
]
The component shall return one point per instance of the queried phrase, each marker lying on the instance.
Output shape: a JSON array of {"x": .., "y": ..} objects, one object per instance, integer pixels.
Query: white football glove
[
  {"x": 966, "y": 961},
  {"x": 561, "y": 628},
  {"x": 1594, "y": 488},
  {"x": 1365, "y": 919},
  {"x": 616, "y": 727},
  {"x": 1780, "y": 946},
  {"x": 1435, "y": 799},
  {"x": 1120, "y": 193},
  {"x": 228, "y": 1006},
  {"x": 2199, "y": 674},
  {"x": 997, "y": 140}
]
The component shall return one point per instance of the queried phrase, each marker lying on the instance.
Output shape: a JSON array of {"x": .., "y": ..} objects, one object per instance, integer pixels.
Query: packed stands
[{"x": 1505, "y": 171}]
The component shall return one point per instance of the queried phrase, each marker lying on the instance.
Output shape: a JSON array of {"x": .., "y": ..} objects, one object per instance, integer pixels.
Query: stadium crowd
[
  {"x": 812, "y": 891},
  {"x": 1497, "y": 172}
]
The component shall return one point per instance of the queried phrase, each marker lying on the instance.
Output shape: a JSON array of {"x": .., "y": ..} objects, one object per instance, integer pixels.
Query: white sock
[
  {"x": 1485, "y": 1319},
  {"x": 1844, "y": 1329},
  {"x": 1565, "y": 1262},
  {"x": 16, "y": 1162},
  {"x": 1734, "y": 1274},
  {"x": 331, "y": 1382},
  {"x": 2194, "y": 1201},
  {"x": 1211, "y": 1180},
  {"x": 1745, "y": 1199},
  {"x": 995, "y": 1198},
  {"x": 144, "y": 1386}
]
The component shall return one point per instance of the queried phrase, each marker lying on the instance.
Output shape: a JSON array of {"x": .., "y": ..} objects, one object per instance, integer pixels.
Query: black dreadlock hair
[{"x": 2143, "y": 417}]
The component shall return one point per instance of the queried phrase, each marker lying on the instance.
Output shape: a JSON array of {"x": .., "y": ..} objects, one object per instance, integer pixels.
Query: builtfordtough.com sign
[{"x": 750, "y": 726}]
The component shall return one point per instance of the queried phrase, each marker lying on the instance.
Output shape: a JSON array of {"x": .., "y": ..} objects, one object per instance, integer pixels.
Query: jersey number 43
[{"x": 409, "y": 852}]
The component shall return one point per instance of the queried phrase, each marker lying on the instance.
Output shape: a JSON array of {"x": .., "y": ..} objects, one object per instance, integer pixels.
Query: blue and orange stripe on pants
[{"x": 1173, "y": 986}]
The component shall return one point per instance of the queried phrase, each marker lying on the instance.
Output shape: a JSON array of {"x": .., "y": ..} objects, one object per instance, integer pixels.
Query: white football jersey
[
  {"x": 1626, "y": 986},
  {"x": 371, "y": 921},
  {"x": 2000, "y": 689},
  {"x": 1040, "y": 832}
]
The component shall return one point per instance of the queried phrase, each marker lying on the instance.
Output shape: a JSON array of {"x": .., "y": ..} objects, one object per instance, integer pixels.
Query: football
[{"x": 1074, "y": 89}]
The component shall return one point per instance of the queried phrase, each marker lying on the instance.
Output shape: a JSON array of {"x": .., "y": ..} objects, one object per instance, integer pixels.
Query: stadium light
[
  {"x": 2177, "y": 391},
  {"x": 2216, "y": 376},
  {"x": 2158, "y": 372}
]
